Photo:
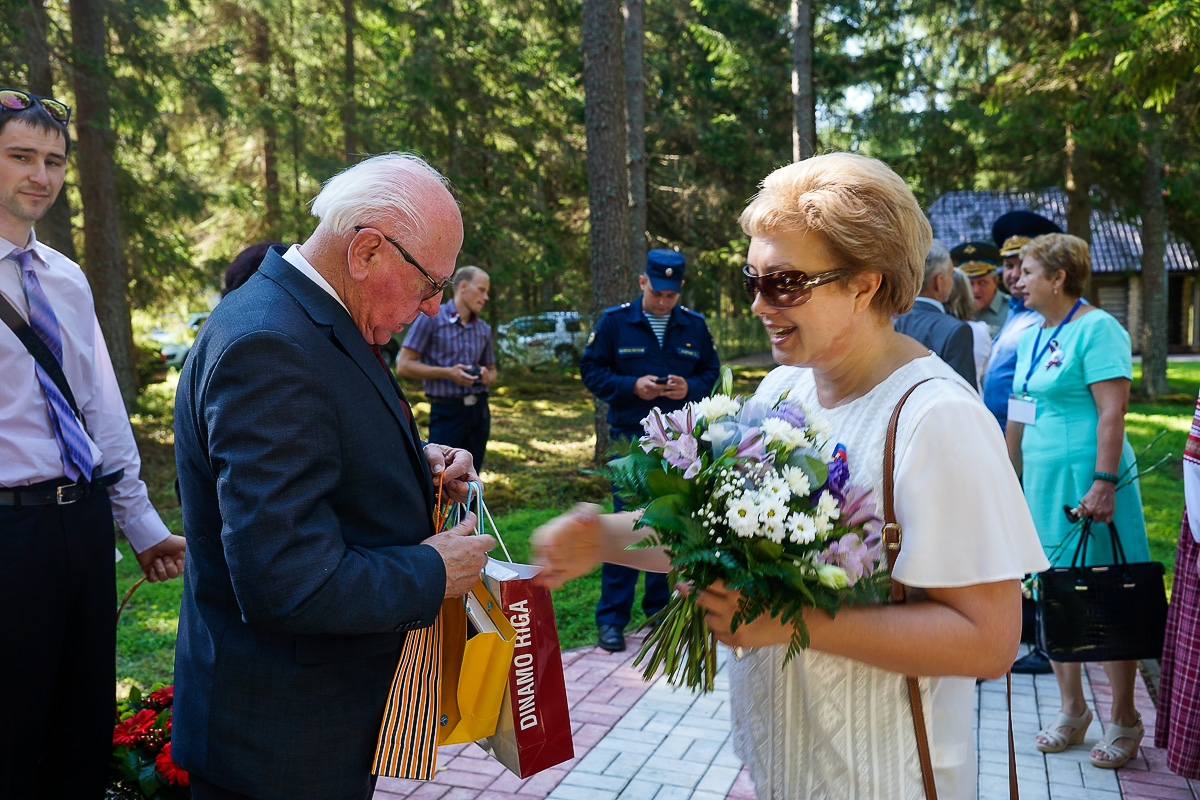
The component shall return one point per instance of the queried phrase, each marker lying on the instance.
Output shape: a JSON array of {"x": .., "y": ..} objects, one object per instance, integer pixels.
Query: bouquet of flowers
[
  {"x": 755, "y": 494},
  {"x": 141, "y": 761}
]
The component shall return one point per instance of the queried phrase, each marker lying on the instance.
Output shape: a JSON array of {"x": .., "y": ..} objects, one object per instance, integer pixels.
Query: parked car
[
  {"x": 174, "y": 349},
  {"x": 551, "y": 337}
]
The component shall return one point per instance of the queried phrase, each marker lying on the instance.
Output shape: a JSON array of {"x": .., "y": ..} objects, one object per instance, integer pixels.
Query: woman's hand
[
  {"x": 720, "y": 604},
  {"x": 568, "y": 546},
  {"x": 1099, "y": 502}
]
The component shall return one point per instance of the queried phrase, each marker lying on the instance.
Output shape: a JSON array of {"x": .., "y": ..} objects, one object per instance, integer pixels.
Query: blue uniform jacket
[{"x": 623, "y": 348}]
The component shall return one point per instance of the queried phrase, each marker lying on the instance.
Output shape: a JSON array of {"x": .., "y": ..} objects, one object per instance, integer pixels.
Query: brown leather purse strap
[
  {"x": 892, "y": 541},
  {"x": 892, "y": 538}
]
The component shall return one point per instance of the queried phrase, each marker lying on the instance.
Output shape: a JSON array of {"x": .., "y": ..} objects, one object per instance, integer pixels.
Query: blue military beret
[{"x": 664, "y": 268}]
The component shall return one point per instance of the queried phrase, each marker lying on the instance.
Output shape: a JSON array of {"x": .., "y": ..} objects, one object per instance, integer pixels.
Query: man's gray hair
[
  {"x": 386, "y": 190},
  {"x": 467, "y": 275},
  {"x": 937, "y": 262}
]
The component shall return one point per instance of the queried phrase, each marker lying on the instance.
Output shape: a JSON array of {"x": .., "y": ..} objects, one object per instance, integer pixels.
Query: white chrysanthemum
[
  {"x": 783, "y": 432},
  {"x": 827, "y": 506},
  {"x": 775, "y": 529},
  {"x": 715, "y": 407},
  {"x": 823, "y": 525},
  {"x": 742, "y": 516},
  {"x": 770, "y": 508},
  {"x": 801, "y": 528},
  {"x": 775, "y": 487},
  {"x": 797, "y": 481}
]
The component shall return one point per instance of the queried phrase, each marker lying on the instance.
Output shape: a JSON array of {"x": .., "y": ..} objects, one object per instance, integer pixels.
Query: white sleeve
[
  {"x": 962, "y": 513},
  {"x": 1191, "y": 495},
  {"x": 109, "y": 423}
]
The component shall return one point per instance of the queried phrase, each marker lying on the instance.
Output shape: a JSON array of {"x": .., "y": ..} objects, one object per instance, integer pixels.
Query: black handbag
[{"x": 1114, "y": 612}]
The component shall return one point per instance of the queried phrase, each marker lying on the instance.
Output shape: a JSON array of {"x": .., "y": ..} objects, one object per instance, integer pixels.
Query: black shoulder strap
[{"x": 41, "y": 354}]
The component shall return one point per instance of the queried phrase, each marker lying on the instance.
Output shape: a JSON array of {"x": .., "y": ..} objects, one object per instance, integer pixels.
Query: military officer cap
[
  {"x": 1014, "y": 230},
  {"x": 976, "y": 258},
  {"x": 664, "y": 268}
]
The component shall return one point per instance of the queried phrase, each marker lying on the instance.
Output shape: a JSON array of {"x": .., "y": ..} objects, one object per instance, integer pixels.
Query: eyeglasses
[
  {"x": 16, "y": 100},
  {"x": 438, "y": 288},
  {"x": 786, "y": 289}
]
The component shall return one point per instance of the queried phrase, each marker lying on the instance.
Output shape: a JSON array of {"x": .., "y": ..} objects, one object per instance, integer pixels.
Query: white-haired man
[
  {"x": 307, "y": 497},
  {"x": 929, "y": 323}
]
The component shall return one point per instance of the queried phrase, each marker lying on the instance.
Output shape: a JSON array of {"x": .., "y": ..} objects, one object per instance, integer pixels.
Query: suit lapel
[{"x": 326, "y": 312}]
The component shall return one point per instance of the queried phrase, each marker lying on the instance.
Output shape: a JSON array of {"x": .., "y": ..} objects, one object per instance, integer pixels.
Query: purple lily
[
  {"x": 684, "y": 453},
  {"x": 852, "y": 555},
  {"x": 753, "y": 446},
  {"x": 656, "y": 432},
  {"x": 682, "y": 421},
  {"x": 859, "y": 508}
]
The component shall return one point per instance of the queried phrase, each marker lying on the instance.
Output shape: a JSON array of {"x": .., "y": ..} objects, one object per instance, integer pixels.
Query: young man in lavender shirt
[{"x": 452, "y": 355}]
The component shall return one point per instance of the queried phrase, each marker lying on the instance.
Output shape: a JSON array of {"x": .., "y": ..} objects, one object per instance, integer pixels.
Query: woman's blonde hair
[
  {"x": 864, "y": 211},
  {"x": 961, "y": 304},
  {"x": 1062, "y": 251}
]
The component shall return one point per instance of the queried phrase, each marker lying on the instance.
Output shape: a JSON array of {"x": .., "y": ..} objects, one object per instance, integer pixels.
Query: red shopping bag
[{"x": 534, "y": 729}]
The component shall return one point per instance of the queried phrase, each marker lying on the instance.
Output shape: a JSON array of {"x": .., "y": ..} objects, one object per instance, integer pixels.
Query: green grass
[{"x": 536, "y": 468}]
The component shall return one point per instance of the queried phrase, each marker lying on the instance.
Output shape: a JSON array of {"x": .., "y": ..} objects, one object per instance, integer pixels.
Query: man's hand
[
  {"x": 676, "y": 388},
  {"x": 646, "y": 388},
  {"x": 458, "y": 373},
  {"x": 464, "y": 555},
  {"x": 164, "y": 560},
  {"x": 458, "y": 466}
]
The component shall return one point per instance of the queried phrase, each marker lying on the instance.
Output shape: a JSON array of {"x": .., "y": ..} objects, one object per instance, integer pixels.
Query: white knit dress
[{"x": 830, "y": 727}]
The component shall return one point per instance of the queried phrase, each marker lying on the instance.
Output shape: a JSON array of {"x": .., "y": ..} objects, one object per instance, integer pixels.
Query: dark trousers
[
  {"x": 617, "y": 583},
  {"x": 456, "y": 425},
  {"x": 203, "y": 790},
  {"x": 58, "y": 603}
]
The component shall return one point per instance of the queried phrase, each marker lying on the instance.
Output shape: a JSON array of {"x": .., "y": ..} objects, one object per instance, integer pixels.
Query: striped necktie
[{"x": 72, "y": 441}]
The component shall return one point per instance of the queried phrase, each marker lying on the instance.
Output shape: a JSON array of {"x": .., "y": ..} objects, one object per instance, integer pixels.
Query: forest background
[
  {"x": 578, "y": 133},
  {"x": 206, "y": 125}
]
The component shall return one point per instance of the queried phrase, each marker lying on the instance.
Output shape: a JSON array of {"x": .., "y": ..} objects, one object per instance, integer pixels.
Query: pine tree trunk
[
  {"x": 804, "y": 130},
  {"x": 1078, "y": 185},
  {"x": 260, "y": 52},
  {"x": 102, "y": 260},
  {"x": 53, "y": 229},
  {"x": 607, "y": 171},
  {"x": 349, "y": 109},
  {"x": 1154, "y": 272},
  {"x": 635, "y": 106}
]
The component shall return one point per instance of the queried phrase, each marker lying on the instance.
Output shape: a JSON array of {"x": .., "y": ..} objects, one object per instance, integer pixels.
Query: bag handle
[
  {"x": 1079, "y": 560},
  {"x": 892, "y": 538},
  {"x": 475, "y": 503}
]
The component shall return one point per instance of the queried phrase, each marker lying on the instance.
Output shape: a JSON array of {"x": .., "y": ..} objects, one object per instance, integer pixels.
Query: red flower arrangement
[{"x": 141, "y": 763}]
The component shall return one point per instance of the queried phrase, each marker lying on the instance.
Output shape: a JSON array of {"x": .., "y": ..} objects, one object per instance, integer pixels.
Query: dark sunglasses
[
  {"x": 786, "y": 289},
  {"x": 438, "y": 288},
  {"x": 16, "y": 100}
]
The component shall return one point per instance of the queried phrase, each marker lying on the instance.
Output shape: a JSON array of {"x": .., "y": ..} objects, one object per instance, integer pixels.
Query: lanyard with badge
[{"x": 1021, "y": 407}]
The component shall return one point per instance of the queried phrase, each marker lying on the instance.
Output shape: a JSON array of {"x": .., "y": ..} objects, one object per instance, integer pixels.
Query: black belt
[
  {"x": 57, "y": 492},
  {"x": 464, "y": 400}
]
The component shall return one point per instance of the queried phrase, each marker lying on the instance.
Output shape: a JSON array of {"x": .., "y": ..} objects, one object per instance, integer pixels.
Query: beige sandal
[
  {"x": 1118, "y": 756},
  {"x": 1056, "y": 740}
]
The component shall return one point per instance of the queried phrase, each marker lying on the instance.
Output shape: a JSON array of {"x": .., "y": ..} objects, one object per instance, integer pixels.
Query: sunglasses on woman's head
[
  {"x": 16, "y": 100},
  {"x": 786, "y": 289}
]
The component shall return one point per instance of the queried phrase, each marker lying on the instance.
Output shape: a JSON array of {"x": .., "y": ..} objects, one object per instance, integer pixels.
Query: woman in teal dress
[{"x": 1066, "y": 438}]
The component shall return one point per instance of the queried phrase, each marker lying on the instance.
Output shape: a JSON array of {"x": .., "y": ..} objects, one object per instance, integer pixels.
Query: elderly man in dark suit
[
  {"x": 928, "y": 322},
  {"x": 307, "y": 497}
]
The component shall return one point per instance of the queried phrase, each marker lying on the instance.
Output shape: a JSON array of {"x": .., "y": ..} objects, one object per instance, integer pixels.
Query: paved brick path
[{"x": 635, "y": 741}]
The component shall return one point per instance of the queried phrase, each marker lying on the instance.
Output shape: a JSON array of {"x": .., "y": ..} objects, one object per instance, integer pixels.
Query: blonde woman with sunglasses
[{"x": 837, "y": 247}]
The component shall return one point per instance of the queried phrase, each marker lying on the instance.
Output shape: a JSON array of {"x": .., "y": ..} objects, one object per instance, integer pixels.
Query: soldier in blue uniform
[{"x": 648, "y": 353}]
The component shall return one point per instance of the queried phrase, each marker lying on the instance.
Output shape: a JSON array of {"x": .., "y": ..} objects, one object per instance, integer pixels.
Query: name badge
[{"x": 1022, "y": 409}]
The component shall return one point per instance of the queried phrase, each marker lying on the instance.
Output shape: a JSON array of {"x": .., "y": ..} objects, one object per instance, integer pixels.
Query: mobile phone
[{"x": 662, "y": 381}]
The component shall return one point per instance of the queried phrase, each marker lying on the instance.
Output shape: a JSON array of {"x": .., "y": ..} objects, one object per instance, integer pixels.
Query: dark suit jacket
[
  {"x": 304, "y": 496},
  {"x": 950, "y": 338}
]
